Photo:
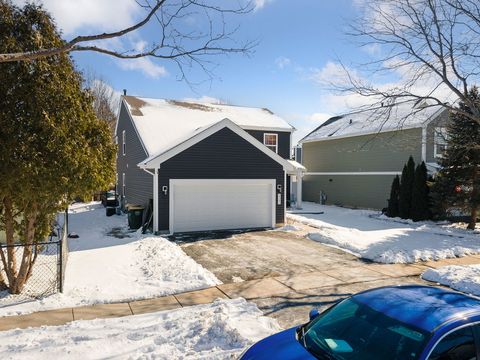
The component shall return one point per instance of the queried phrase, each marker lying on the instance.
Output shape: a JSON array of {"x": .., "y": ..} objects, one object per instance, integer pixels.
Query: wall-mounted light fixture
[
  {"x": 279, "y": 188},
  {"x": 165, "y": 189}
]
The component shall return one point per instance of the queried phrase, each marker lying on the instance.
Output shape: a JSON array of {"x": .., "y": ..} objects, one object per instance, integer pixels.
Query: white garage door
[{"x": 214, "y": 204}]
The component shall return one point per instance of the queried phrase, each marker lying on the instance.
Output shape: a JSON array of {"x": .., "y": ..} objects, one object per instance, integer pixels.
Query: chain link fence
[{"x": 49, "y": 261}]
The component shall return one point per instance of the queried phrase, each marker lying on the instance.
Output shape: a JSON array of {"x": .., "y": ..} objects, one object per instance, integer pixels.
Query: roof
[
  {"x": 424, "y": 307},
  {"x": 375, "y": 120},
  {"x": 200, "y": 134},
  {"x": 161, "y": 124}
]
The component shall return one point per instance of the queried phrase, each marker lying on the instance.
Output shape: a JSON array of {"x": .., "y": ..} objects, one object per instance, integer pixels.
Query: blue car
[{"x": 390, "y": 323}]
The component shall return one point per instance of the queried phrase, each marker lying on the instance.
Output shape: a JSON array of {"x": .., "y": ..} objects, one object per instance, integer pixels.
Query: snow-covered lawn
[
  {"x": 215, "y": 331},
  {"x": 103, "y": 268},
  {"x": 370, "y": 235},
  {"x": 462, "y": 278}
]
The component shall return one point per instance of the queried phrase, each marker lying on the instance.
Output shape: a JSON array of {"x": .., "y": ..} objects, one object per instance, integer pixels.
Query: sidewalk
[{"x": 267, "y": 292}]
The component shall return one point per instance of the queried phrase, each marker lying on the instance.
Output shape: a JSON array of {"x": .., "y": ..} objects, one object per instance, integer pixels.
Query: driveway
[{"x": 286, "y": 274}]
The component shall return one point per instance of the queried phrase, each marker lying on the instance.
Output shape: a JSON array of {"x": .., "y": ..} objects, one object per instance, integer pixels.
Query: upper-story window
[
  {"x": 271, "y": 141},
  {"x": 440, "y": 142},
  {"x": 124, "y": 143}
]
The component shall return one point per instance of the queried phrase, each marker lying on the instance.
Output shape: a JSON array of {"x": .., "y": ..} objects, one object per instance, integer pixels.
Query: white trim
[
  {"x": 263, "y": 128},
  {"x": 362, "y": 133},
  {"x": 276, "y": 141},
  {"x": 424, "y": 144},
  {"x": 155, "y": 201},
  {"x": 381, "y": 131},
  {"x": 173, "y": 182},
  {"x": 156, "y": 160},
  {"x": 356, "y": 173}
]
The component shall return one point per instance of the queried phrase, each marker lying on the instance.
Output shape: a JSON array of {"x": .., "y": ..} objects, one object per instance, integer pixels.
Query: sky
[{"x": 299, "y": 45}]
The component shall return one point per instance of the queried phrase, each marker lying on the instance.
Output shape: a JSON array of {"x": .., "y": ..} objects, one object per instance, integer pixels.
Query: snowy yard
[
  {"x": 215, "y": 331},
  {"x": 370, "y": 235},
  {"x": 105, "y": 268},
  {"x": 462, "y": 278}
]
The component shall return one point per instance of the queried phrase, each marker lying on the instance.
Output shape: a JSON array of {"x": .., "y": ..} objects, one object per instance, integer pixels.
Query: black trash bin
[
  {"x": 110, "y": 210},
  {"x": 135, "y": 216}
]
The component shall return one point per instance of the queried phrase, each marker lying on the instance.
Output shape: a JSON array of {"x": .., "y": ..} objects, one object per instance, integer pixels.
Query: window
[
  {"x": 124, "y": 186},
  {"x": 124, "y": 143},
  {"x": 271, "y": 141},
  {"x": 440, "y": 142},
  {"x": 459, "y": 345},
  {"x": 353, "y": 331}
]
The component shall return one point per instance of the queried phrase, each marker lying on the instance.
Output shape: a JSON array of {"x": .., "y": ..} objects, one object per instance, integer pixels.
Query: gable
[{"x": 223, "y": 154}]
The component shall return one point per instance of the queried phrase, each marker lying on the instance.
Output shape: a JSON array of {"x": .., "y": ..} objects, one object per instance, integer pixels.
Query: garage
[{"x": 217, "y": 204}]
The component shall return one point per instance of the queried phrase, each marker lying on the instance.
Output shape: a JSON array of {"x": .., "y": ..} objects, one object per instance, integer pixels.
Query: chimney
[{"x": 124, "y": 92}]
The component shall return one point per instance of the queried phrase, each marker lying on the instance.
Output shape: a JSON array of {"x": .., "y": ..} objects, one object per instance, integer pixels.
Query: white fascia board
[
  {"x": 363, "y": 133},
  {"x": 118, "y": 115},
  {"x": 157, "y": 160},
  {"x": 263, "y": 128},
  {"x": 355, "y": 173}
]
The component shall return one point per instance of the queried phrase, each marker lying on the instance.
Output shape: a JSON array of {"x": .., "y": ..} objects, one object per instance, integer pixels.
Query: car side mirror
[{"x": 313, "y": 314}]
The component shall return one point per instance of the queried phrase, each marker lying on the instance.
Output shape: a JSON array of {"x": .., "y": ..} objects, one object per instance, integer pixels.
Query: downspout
[{"x": 424, "y": 144}]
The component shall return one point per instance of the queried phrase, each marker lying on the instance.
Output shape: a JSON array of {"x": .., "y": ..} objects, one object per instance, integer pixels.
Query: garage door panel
[{"x": 214, "y": 205}]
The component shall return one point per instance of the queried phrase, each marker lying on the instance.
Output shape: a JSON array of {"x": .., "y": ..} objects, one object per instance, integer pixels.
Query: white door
[{"x": 217, "y": 204}]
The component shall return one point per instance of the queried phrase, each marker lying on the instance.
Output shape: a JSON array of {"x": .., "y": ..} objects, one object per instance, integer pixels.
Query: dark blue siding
[
  {"x": 139, "y": 184},
  {"x": 223, "y": 155}
]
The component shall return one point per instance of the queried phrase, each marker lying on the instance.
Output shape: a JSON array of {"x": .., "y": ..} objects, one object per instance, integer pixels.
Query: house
[
  {"x": 203, "y": 166},
  {"x": 353, "y": 158}
]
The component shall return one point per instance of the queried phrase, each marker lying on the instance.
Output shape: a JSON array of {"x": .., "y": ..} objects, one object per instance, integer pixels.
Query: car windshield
[{"x": 351, "y": 330}]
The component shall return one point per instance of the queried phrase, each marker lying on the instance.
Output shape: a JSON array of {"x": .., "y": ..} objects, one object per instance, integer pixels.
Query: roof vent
[
  {"x": 124, "y": 92},
  {"x": 351, "y": 122}
]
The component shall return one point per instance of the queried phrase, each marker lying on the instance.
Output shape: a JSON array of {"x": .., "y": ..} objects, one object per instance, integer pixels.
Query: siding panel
[
  {"x": 139, "y": 184},
  {"x": 223, "y": 155},
  {"x": 369, "y": 153}
]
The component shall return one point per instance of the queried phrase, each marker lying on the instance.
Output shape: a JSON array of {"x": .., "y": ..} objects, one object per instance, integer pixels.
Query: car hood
[{"x": 283, "y": 345}]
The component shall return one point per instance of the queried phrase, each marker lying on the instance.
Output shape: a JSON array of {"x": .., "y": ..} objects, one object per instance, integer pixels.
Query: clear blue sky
[{"x": 299, "y": 42}]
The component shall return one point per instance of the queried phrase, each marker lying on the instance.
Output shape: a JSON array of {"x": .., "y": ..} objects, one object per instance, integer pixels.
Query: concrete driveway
[{"x": 286, "y": 274}]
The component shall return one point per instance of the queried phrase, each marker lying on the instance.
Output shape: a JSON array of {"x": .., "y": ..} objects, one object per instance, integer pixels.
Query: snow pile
[
  {"x": 462, "y": 278},
  {"x": 366, "y": 234},
  {"x": 215, "y": 331},
  {"x": 107, "y": 263},
  {"x": 288, "y": 228}
]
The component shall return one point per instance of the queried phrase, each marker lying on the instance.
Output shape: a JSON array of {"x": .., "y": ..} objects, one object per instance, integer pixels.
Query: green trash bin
[{"x": 135, "y": 216}]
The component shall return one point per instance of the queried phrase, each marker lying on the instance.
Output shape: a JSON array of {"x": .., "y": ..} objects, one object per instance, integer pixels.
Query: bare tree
[
  {"x": 184, "y": 45},
  {"x": 432, "y": 45},
  {"x": 105, "y": 100}
]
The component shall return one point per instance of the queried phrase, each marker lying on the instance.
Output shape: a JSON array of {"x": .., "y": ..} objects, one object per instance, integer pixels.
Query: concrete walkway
[{"x": 286, "y": 298}]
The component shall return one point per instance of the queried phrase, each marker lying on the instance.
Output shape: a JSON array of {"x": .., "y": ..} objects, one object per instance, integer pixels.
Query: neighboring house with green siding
[{"x": 352, "y": 159}]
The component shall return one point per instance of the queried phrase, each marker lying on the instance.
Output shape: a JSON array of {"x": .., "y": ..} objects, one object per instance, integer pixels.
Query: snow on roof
[
  {"x": 375, "y": 120},
  {"x": 162, "y": 124}
]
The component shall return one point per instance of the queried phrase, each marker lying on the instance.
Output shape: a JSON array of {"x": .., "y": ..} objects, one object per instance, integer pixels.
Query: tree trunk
[
  {"x": 11, "y": 261},
  {"x": 473, "y": 219},
  {"x": 24, "y": 271}
]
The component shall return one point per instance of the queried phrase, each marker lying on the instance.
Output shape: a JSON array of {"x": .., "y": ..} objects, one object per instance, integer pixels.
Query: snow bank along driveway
[
  {"x": 102, "y": 268},
  {"x": 215, "y": 331},
  {"x": 370, "y": 235},
  {"x": 462, "y": 278}
]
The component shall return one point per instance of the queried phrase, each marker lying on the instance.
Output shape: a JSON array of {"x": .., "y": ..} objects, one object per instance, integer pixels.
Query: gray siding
[
  {"x": 223, "y": 155},
  {"x": 441, "y": 121},
  {"x": 385, "y": 152},
  {"x": 283, "y": 140},
  {"x": 139, "y": 184},
  {"x": 382, "y": 152},
  {"x": 365, "y": 191}
]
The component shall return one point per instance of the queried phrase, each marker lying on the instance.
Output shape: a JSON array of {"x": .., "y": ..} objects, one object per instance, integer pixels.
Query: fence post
[{"x": 60, "y": 264}]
